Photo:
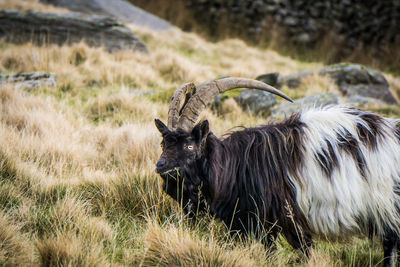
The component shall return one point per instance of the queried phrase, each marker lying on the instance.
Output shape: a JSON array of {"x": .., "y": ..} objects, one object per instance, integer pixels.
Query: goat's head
[
  {"x": 180, "y": 148},
  {"x": 183, "y": 141}
]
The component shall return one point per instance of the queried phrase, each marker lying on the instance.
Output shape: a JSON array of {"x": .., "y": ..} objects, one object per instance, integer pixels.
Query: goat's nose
[{"x": 160, "y": 163}]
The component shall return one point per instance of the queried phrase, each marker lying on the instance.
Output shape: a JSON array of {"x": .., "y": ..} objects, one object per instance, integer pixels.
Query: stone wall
[
  {"x": 304, "y": 21},
  {"x": 348, "y": 24}
]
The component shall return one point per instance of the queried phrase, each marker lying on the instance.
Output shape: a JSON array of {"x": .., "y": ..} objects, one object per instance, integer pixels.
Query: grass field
[{"x": 77, "y": 179}]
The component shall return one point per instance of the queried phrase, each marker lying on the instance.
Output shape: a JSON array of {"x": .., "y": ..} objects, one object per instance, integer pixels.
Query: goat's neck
[{"x": 210, "y": 167}]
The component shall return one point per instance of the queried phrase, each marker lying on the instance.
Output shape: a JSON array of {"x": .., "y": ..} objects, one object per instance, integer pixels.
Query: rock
[
  {"x": 359, "y": 101},
  {"x": 319, "y": 100},
  {"x": 293, "y": 80},
  {"x": 256, "y": 101},
  {"x": 120, "y": 9},
  {"x": 352, "y": 79},
  {"x": 303, "y": 38},
  {"x": 269, "y": 78},
  {"x": 42, "y": 28},
  {"x": 29, "y": 79},
  {"x": 290, "y": 21},
  {"x": 216, "y": 104}
]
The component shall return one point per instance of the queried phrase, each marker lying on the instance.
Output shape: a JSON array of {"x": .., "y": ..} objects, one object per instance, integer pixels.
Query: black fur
[
  {"x": 397, "y": 130},
  {"x": 327, "y": 159},
  {"x": 369, "y": 135},
  {"x": 350, "y": 145},
  {"x": 231, "y": 177},
  {"x": 391, "y": 249}
]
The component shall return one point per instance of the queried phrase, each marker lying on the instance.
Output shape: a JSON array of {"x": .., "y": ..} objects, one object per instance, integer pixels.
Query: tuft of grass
[
  {"x": 179, "y": 247},
  {"x": 131, "y": 197},
  {"x": 8, "y": 169},
  {"x": 314, "y": 84},
  {"x": 123, "y": 107},
  {"x": 10, "y": 198},
  {"x": 15, "y": 248},
  {"x": 30, "y": 5},
  {"x": 70, "y": 250}
]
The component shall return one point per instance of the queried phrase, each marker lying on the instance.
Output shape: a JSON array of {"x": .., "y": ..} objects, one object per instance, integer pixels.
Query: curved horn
[
  {"x": 179, "y": 100},
  {"x": 208, "y": 91}
]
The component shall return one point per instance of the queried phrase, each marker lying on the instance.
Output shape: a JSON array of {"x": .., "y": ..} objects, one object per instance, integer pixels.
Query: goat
[{"x": 330, "y": 172}]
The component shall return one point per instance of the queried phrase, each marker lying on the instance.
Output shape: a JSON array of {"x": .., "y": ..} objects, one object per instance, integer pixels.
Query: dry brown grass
[
  {"x": 315, "y": 84},
  {"x": 15, "y": 248},
  {"x": 77, "y": 180},
  {"x": 179, "y": 247},
  {"x": 30, "y": 5},
  {"x": 70, "y": 250}
]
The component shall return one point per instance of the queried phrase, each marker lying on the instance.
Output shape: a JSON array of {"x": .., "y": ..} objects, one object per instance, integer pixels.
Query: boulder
[
  {"x": 120, "y": 9},
  {"x": 269, "y": 78},
  {"x": 256, "y": 101},
  {"x": 355, "y": 79},
  {"x": 42, "y": 28},
  {"x": 361, "y": 101},
  {"x": 352, "y": 79},
  {"x": 318, "y": 100},
  {"x": 29, "y": 79}
]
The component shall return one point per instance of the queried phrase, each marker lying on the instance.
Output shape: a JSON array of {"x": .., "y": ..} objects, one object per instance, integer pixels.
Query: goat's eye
[{"x": 190, "y": 147}]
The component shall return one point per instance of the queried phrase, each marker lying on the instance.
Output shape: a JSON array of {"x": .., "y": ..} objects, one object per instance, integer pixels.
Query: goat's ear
[
  {"x": 201, "y": 131},
  {"x": 161, "y": 126}
]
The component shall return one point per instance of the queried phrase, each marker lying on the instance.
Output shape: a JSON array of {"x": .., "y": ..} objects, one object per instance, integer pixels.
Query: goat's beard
[
  {"x": 172, "y": 174},
  {"x": 187, "y": 194}
]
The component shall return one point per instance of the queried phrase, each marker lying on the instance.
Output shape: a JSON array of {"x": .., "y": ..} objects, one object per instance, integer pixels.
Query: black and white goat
[{"x": 330, "y": 172}]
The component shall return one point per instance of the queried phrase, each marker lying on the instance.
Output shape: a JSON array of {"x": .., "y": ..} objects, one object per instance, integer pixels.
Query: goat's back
[{"x": 350, "y": 178}]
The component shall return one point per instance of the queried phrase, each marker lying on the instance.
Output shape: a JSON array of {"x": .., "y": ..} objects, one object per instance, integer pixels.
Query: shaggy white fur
[{"x": 348, "y": 201}]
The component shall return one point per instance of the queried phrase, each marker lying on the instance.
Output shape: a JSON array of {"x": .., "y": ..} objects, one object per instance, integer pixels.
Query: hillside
[{"x": 77, "y": 179}]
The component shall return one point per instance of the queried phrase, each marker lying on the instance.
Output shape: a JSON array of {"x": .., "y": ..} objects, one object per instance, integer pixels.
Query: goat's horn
[
  {"x": 208, "y": 91},
  {"x": 179, "y": 100}
]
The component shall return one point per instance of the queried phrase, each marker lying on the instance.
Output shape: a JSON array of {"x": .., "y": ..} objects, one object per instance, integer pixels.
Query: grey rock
[
  {"x": 311, "y": 25},
  {"x": 293, "y": 80},
  {"x": 269, "y": 78},
  {"x": 303, "y": 38},
  {"x": 359, "y": 101},
  {"x": 291, "y": 21},
  {"x": 319, "y": 100},
  {"x": 29, "y": 79},
  {"x": 314, "y": 12},
  {"x": 352, "y": 79},
  {"x": 271, "y": 8},
  {"x": 283, "y": 12},
  {"x": 120, "y": 9},
  {"x": 255, "y": 101},
  {"x": 42, "y": 28}
]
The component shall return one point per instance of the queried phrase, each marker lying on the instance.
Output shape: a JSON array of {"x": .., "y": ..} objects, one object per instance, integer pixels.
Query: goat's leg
[
  {"x": 269, "y": 240},
  {"x": 391, "y": 249},
  {"x": 299, "y": 240}
]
